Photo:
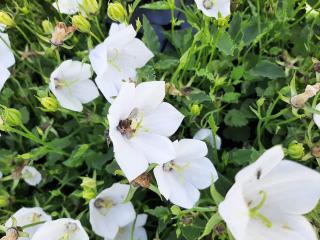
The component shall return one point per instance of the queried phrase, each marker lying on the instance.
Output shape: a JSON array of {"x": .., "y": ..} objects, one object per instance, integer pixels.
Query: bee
[
  {"x": 125, "y": 127},
  {"x": 60, "y": 34}
]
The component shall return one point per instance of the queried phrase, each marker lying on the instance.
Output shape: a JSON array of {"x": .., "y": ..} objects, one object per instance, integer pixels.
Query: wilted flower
[
  {"x": 61, "y": 33},
  {"x": 69, "y": 7},
  {"x": 179, "y": 179},
  {"x": 117, "y": 58},
  {"x": 31, "y": 175},
  {"x": 109, "y": 212},
  {"x": 268, "y": 198},
  {"x": 139, "y": 233},
  {"x": 316, "y": 117},
  {"x": 117, "y": 12},
  {"x": 81, "y": 23},
  {"x": 140, "y": 124},
  {"x": 6, "y": 58},
  {"x": 72, "y": 86},
  {"x": 26, "y": 216},
  {"x": 205, "y": 134},
  {"x": 214, "y": 8},
  {"x": 61, "y": 229},
  {"x": 299, "y": 100}
]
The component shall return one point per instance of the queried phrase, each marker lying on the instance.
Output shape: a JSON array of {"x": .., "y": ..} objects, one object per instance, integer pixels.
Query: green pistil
[
  {"x": 112, "y": 61},
  {"x": 136, "y": 125},
  {"x": 255, "y": 212}
]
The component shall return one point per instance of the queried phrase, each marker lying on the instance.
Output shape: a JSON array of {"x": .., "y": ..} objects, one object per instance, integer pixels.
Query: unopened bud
[
  {"x": 81, "y": 23},
  {"x": 296, "y": 150},
  {"x": 47, "y": 27},
  {"x": 196, "y": 109},
  {"x": 11, "y": 116},
  {"x": 89, "y": 186},
  {"x": 6, "y": 19},
  {"x": 117, "y": 12},
  {"x": 50, "y": 104},
  {"x": 90, "y": 6}
]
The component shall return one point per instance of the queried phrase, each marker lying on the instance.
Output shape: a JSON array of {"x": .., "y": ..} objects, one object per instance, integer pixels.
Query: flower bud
[
  {"x": 89, "y": 183},
  {"x": 47, "y": 27},
  {"x": 90, "y": 6},
  {"x": 117, "y": 12},
  {"x": 11, "y": 116},
  {"x": 89, "y": 186},
  {"x": 196, "y": 109},
  {"x": 4, "y": 199},
  {"x": 82, "y": 24},
  {"x": 50, "y": 104},
  {"x": 296, "y": 150},
  {"x": 260, "y": 101},
  {"x": 6, "y": 19}
]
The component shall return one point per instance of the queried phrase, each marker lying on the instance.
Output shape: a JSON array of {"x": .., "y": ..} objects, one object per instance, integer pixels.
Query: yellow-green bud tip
[{"x": 117, "y": 12}]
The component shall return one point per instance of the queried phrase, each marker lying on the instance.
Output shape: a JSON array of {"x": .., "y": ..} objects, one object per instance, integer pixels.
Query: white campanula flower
[
  {"x": 6, "y": 58},
  {"x": 27, "y": 216},
  {"x": 109, "y": 212},
  {"x": 205, "y": 134},
  {"x": 117, "y": 58},
  {"x": 316, "y": 117},
  {"x": 60, "y": 229},
  {"x": 139, "y": 233},
  {"x": 269, "y": 198},
  {"x": 69, "y": 7},
  {"x": 71, "y": 85},
  {"x": 179, "y": 179},
  {"x": 140, "y": 124},
  {"x": 31, "y": 175},
  {"x": 212, "y": 8}
]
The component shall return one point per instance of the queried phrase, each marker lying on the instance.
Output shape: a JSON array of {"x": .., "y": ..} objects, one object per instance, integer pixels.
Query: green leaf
[
  {"x": 76, "y": 158},
  {"x": 267, "y": 69},
  {"x": 147, "y": 73},
  {"x": 231, "y": 97},
  {"x": 226, "y": 44},
  {"x": 150, "y": 37},
  {"x": 159, "y": 5},
  {"x": 214, "y": 220},
  {"x": 235, "y": 118},
  {"x": 166, "y": 63}
]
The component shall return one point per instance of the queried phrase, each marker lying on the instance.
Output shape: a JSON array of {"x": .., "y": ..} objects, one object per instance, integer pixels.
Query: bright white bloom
[
  {"x": 60, "y": 229},
  {"x": 117, "y": 58},
  {"x": 26, "y": 216},
  {"x": 269, "y": 198},
  {"x": 71, "y": 85},
  {"x": 316, "y": 117},
  {"x": 31, "y": 175},
  {"x": 109, "y": 213},
  {"x": 212, "y": 8},
  {"x": 179, "y": 179},
  {"x": 139, "y": 231},
  {"x": 6, "y": 58},
  {"x": 140, "y": 124},
  {"x": 69, "y": 7},
  {"x": 205, "y": 134}
]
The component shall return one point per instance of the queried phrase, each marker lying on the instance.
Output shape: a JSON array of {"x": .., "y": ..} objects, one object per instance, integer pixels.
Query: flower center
[
  {"x": 112, "y": 60},
  {"x": 130, "y": 126},
  {"x": 61, "y": 84},
  {"x": 36, "y": 217},
  {"x": 70, "y": 229},
  {"x": 255, "y": 211},
  {"x": 103, "y": 205},
  {"x": 208, "y": 4}
]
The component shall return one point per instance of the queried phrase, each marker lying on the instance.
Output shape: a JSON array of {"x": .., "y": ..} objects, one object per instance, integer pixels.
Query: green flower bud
[
  {"x": 50, "y": 104},
  {"x": 295, "y": 150},
  {"x": 4, "y": 198},
  {"x": 81, "y": 23},
  {"x": 90, "y": 6},
  {"x": 11, "y": 116},
  {"x": 196, "y": 109},
  {"x": 260, "y": 101},
  {"x": 6, "y": 19},
  {"x": 47, "y": 27},
  {"x": 175, "y": 210},
  {"x": 89, "y": 186},
  {"x": 117, "y": 12}
]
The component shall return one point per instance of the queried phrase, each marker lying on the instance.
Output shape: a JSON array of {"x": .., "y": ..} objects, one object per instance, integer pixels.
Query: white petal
[
  {"x": 206, "y": 134},
  {"x": 85, "y": 91},
  {"x": 117, "y": 192},
  {"x": 131, "y": 160},
  {"x": 149, "y": 95},
  {"x": 31, "y": 175},
  {"x": 235, "y": 212},
  {"x": 99, "y": 58},
  {"x": 67, "y": 101},
  {"x": 4, "y": 75},
  {"x": 6, "y": 54},
  {"x": 163, "y": 185},
  {"x": 55, "y": 230},
  {"x": 316, "y": 117},
  {"x": 122, "y": 214},
  {"x": 260, "y": 168},
  {"x": 157, "y": 149},
  {"x": 164, "y": 120},
  {"x": 141, "y": 220},
  {"x": 190, "y": 149},
  {"x": 222, "y": 6},
  {"x": 67, "y": 6},
  {"x": 121, "y": 38}
]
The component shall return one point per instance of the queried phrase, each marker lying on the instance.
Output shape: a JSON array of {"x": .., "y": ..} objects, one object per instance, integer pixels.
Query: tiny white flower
[
  {"x": 139, "y": 233},
  {"x": 212, "y": 8},
  {"x": 205, "y": 134},
  {"x": 60, "y": 229},
  {"x": 140, "y": 124},
  {"x": 31, "y": 175},
  {"x": 27, "y": 216},
  {"x": 179, "y": 179},
  {"x": 69, "y": 7},
  {"x": 72, "y": 86},
  {"x": 109, "y": 213},
  {"x": 316, "y": 117},
  {"x": 6, "y": 58},
  {"x": 117, "y": 58},
  {"x": 269, "y": 198}
]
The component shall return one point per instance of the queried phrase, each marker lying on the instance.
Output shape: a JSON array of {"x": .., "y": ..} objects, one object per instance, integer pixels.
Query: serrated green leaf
[
  {"x": 267, "y": 69},
  {"x": 231, "y": 97},
  {"x": 150, "y": 37},
  {"x": 76, "y": 158},
  {"x": 235, "y": 118},
  {"x": 226, "y": 44}
]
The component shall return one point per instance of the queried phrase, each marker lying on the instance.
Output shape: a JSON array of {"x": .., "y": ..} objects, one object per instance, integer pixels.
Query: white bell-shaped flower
[
  {"x": 71, "y": 85},
  {"x": 69, "y": 7},
  {"x": 31, "y": 175},
  {"x": 6, "y": 58},
  {"x": 205, "y": 134},
  {"x": 269, "y": 198},
  {"x": 212, "y": 8},
  {"x": 109, "y": 212},
  {"x": 27, "y": 216},
  {"x": 179, "y": 179}
]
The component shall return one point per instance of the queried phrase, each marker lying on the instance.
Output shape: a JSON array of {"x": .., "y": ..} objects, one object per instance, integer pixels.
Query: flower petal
[
  {"x": 85, "y": 91},
  {"x": 206, "y": 134},
  {"x": 190, "y": 149},
  {"x": 163, "y": 186},
  {"x": 6, "y": 54},
  {"x": 4, "y": 75},
  {"x": 67, "y": 101},
  {"x": 316, "y": 117},
  {"x": 99, "y": 58},
  {"x": 122, "y": 214}
]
